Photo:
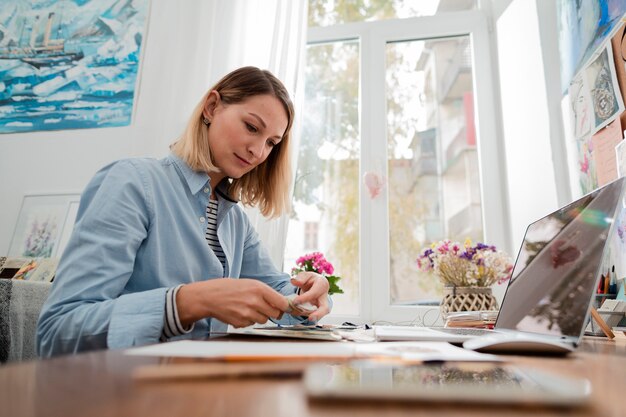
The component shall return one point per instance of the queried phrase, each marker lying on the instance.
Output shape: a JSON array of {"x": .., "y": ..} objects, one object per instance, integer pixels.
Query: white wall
[
  {"x": 183, "y": 57},
  {"x": 526, "y": 117},
  {"x": 173, "y": 77}
]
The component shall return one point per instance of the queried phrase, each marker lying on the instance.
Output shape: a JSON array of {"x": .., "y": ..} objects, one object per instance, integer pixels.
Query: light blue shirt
[{"x": 140, "y": 230}]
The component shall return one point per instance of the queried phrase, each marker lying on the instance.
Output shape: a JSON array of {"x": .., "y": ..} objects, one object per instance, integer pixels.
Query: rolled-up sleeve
[{"x": 88, "y": 306}]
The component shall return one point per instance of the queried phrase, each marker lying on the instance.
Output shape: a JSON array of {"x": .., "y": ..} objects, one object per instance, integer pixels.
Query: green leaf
[{"x": 333, "y": 288}]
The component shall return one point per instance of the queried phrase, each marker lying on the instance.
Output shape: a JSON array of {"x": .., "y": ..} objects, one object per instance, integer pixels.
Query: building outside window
[
  {"x": 310, "y": 235},
  {"x": 389, "y": 158}
]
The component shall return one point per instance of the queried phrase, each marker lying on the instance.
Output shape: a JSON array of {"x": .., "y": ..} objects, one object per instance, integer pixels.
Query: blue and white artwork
[
  {"x": 70, "y": 64},
  {"x": 583, "y": 26}
]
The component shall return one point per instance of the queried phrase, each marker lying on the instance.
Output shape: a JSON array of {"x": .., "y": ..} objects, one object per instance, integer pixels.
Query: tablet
[{"x": 467, "y": 382}]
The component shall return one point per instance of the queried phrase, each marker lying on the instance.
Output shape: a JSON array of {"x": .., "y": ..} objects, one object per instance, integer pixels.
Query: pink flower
[{"x": 316, "y": 262}]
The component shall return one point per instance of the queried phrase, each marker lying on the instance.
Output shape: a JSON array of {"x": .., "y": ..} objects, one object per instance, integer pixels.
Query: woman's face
[{"x": 242, "y": 135}]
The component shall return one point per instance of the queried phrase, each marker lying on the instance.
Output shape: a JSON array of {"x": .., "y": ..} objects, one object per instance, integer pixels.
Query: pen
[
  {"x": 600, "y": 289},
  {"x": 612, "y": 283}
]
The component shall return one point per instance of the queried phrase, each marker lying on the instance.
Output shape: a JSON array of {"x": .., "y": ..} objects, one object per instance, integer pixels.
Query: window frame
[{"x": 374, "y": 280}]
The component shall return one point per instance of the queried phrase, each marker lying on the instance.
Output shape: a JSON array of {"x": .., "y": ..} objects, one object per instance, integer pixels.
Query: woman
[{"x": 154, "y": 239}]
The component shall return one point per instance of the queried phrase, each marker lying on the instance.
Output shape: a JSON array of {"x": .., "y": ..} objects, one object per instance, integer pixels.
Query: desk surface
[{"x": 100, "y": 384}]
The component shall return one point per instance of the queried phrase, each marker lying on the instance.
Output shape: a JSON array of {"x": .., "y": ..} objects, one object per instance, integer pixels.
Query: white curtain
[
  {"x": 175, "y": 71},
  {"x": 269, "y": 34}
]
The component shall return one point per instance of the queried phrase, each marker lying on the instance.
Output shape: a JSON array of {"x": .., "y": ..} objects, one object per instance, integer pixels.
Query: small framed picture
[{"x": 44, "y": 225}]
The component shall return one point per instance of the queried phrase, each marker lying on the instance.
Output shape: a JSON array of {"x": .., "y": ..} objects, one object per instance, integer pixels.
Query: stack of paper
[
  {"x": 477, "y": 319},
  {"x": 291, "y": 332}
]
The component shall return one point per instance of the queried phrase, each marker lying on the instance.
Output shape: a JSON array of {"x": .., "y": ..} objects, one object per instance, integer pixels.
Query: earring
[{"x": 206, "y": 121}]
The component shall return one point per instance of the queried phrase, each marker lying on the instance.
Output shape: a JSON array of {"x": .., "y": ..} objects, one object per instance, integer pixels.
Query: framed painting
[
  {"x": 69, "y": 64},
  {"x": 582, "y": 27},
  {"x": 44, "y": 224}
]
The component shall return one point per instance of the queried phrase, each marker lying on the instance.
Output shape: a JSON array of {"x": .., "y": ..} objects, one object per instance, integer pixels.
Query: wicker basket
[{"x": 467, "y": 299}]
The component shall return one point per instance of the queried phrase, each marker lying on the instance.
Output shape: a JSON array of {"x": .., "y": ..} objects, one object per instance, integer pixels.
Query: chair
[{"x": 20, "y": 304}]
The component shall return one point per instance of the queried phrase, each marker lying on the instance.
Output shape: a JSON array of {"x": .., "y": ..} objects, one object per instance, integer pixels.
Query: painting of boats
[{"x": 69, "y": 64}]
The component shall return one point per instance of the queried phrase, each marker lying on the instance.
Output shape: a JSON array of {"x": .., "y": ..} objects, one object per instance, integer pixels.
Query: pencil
[{"x": 217, "y": 370}]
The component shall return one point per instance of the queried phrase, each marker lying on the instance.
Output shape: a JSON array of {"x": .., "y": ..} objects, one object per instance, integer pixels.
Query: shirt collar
[{"x": 196, "y": 180}]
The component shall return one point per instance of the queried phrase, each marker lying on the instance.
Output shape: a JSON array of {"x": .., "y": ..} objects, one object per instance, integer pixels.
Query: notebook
[{"x": 548, "y": 299}]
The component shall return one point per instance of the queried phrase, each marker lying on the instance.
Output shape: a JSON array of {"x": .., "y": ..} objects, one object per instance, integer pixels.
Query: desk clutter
[
  {"x": 407, "y": 371},
  {"x": 609, "y": 318},
  {"x": 28, "y": 269},
  {"x": 24, "y": 286}
]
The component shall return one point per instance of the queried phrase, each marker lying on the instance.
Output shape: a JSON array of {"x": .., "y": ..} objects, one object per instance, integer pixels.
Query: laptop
[{"x": 552, "y": 286}]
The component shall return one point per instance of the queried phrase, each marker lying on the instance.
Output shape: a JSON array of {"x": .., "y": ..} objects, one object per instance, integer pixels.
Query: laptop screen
[{"x": 557, "y": 267}]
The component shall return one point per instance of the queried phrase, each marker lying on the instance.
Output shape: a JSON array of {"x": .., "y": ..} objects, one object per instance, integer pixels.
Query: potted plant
[{"x": 467, "y": 272}]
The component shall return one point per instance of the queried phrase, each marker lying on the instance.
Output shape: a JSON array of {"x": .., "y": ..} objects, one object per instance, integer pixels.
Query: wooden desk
[{"x": 100, "y": 384}]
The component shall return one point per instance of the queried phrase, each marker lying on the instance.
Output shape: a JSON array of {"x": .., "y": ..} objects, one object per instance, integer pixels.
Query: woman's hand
[
  {"x": 239, "y": 302},
  {"x": 314, "y": 290}
]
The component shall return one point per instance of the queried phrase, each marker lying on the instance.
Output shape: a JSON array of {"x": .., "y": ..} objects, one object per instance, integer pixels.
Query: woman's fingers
[
  {"x": 322, "y": 309},
  {"x": 243, "y": 302},
  {"x": 314, "y": 287},
  {"x": 253, "y": 316},
  {"x": 239, "y": 302},
  {"x": 269, "y": 311},
  {"x": 263, "y": 303},
  {"x": 274, "y": 299},
  {"x": 319, "y": 313},
  {"x": 314, "y": 290}
]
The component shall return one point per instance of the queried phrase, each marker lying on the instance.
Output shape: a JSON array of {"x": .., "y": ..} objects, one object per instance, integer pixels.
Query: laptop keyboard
[{"x": 461, "y": 331}]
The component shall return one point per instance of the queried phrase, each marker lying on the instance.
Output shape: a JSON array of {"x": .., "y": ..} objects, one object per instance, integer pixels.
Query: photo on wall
[
  {"x": 70, "y": 64},
  {"x": 44, "y": 225}
]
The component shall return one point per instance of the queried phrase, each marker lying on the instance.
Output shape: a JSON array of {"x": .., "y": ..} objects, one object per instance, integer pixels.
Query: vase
[{"x": 467, "y": 299}]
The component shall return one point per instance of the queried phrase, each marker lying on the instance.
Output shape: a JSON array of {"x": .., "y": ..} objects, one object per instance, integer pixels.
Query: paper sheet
[
  {"x": 410, "y": 351},
  {"x": 248, "y": 350},
  {"x": 423, "y": 352},
  {"x": 604, "y": 143}
]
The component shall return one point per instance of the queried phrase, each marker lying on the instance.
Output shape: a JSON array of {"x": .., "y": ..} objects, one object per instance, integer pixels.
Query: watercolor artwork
[
  {"x": 602, "y": 81},
  {"x": 69, "y": 64},
  {"x": 41, "y": 223},
  {"x": 587, "y": 178},
  {"x": 595, "y": 96},
  {"x": 582, "y": 27},
  {"x": 581, "y": 104}
]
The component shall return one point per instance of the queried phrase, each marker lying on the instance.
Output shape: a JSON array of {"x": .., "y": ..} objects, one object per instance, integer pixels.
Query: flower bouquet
[
  {"x": 467, "y": 272},
  {"x": 316, "y": 262},
  {"x": 466, "y": 265}
]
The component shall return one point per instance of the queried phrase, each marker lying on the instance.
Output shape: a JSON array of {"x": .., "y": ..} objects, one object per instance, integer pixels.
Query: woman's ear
[{"x": 211, "y": 103}]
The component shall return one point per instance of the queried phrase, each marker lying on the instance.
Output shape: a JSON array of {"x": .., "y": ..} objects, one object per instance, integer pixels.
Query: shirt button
[
  {"x": 201, "y": 219},
  {"x": 206, "y": 190}
]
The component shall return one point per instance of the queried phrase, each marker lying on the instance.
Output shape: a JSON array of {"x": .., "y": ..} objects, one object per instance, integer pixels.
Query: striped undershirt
[
  {"x": 171, "y": 324},
  {"x": 211, "y": 232}
]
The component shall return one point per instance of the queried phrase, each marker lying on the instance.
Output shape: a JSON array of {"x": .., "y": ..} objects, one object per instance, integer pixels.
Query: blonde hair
[{"x": 267, "y": 185}]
